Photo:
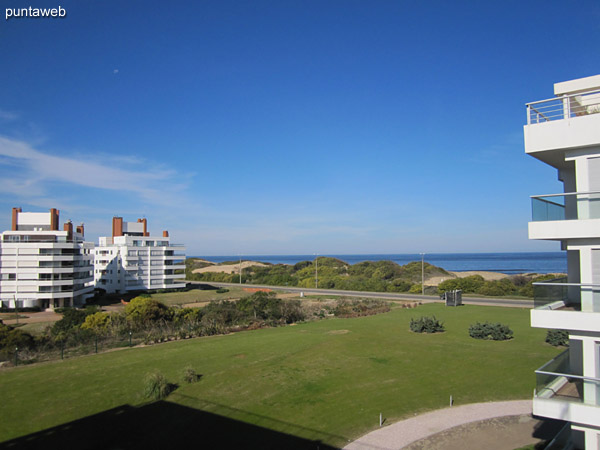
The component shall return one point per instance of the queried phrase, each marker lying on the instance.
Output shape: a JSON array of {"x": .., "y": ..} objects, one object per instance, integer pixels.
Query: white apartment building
[
  {"x": 564, "y": 132},
  {"x": 132, "y": 260},
  {"x": 43, "y": 266}
]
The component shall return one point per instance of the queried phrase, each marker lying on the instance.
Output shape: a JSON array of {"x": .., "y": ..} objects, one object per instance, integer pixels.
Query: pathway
[{"x": 403, "y": 433}]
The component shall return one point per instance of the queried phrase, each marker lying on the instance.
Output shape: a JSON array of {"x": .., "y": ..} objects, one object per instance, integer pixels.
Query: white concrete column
[
  {"x": 591, "y": 393},
  {"x": 592, "y": 439}
]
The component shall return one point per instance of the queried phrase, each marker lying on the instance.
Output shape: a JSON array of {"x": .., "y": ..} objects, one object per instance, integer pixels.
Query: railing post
[
  {"x": 528, "y": 115},
  {"x": 565, "y": 101}
]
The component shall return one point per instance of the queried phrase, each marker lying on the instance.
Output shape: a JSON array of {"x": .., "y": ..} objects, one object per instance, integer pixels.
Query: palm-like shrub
[{"x": 426, "y": 324}]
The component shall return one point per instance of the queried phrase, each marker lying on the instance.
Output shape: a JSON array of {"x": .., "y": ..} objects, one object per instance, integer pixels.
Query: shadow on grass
[{"x": 164, "y": 424}]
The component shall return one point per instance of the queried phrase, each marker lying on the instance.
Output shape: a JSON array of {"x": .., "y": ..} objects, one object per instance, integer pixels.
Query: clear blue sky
[{"x": 286, "y": 127}]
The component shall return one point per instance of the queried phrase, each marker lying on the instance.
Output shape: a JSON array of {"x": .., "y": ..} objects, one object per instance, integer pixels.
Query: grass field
[{"x": 332, "y": 376}]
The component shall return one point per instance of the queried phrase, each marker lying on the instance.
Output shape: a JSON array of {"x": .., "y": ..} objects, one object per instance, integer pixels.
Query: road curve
[
  {"x": 516, "y": 303},
  {"x": 403, "y": 433}
]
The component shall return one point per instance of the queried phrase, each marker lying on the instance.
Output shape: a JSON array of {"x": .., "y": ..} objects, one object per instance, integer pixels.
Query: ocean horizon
[{"x": 508, "y": 263}]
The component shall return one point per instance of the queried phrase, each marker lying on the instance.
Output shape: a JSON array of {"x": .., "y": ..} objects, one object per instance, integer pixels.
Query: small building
[
  {"x": 132, "y": 260},
  {"x": 42, "y": 266}
]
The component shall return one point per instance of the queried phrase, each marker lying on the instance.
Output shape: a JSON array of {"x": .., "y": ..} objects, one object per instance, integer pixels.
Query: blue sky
[{"x": 288, "y": 127}]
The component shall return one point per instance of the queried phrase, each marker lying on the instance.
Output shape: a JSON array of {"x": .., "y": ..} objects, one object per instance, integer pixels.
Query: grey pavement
[
  {"x": 516, "y": 303},
  {"x": 405, "y": 432}
]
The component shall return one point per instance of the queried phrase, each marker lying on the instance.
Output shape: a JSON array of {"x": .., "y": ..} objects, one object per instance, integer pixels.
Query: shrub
[
  {"x": 222, "y": 291},
  {"x": 490, "y": 331},
  {"x": 190, "y": 375},
  {"x": 426, "y": 324},
  {"x": 558, "y": 337},
  {"x": 97, "y": 322},
  {"x": 156, "y": 386},
  {"x": 468, "y": 284},
  {"x": 144, "y": 310},
  {"x": 415, "y": 289}
]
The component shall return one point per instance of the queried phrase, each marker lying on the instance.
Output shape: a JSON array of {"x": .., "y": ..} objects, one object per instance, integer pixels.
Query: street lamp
[
  {"x": 316, "y": 270},
  {"x": 422, "y": 273}
]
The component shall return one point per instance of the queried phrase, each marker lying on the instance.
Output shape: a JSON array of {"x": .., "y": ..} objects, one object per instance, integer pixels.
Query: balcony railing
[
  {"x": 567, "y": 206},
  {"x": 556, "y": 380},
  {"x": 559, "y": 294},
  {"x": 568, "y": 106}
]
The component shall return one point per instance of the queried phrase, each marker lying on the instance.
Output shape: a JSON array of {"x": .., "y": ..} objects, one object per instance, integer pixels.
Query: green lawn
[{"x": 334, "y": 376}]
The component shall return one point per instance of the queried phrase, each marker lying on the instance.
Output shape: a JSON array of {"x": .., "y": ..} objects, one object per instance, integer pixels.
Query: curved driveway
[{"x": 403, "y": 433}]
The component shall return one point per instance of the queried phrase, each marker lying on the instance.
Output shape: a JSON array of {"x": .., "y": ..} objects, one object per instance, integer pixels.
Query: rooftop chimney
[
  {"x": 117, "y": 226},
  {"x": 68, "y": 227},
  {"x": 165, "y": 233},
  {"x": 54, "y": 219},
  {"x": 15, "y": 213},
  {"x": 145, "y": 226}
]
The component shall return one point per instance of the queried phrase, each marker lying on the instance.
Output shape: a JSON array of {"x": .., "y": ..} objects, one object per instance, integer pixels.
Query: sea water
[{"x": 509, "y": 263}]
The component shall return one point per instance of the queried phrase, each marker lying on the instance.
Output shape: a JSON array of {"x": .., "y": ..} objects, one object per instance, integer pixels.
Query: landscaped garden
[{"x": 327, "y": 379}]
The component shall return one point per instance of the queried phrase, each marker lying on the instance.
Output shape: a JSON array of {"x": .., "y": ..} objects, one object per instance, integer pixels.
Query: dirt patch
[
  {"x": 240, "y": 356},
  {"x": 36, "y": 317},
  {"x": 502, "y": 433},
  {"x": 487, "y": 276},
  {"x": 195, "y": 305},
  {"x": 338, "y": 332},
  {"x": 229, "y": 268}
]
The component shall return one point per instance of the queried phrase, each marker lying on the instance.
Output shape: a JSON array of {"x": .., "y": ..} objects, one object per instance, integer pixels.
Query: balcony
[
  {"x": 565, "y": 216},
  {"x": 563, "y": 393},
  {"x": 565, "y": 122},
  {"x": 569, "y": 306}
]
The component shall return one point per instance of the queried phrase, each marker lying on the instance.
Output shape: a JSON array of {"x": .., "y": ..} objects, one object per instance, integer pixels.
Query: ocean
[{"x": 508, "y": 263}]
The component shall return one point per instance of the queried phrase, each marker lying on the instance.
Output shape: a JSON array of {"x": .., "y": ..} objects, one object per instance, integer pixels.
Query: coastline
[{"x": 506, "y": 263}]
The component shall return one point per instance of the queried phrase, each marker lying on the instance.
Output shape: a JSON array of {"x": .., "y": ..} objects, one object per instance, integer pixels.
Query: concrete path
[{"x": 401, "y": 434}]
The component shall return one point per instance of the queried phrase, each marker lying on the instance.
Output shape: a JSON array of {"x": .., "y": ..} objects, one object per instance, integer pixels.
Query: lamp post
[
  {"x": 422, "y": 273},
  {"x": 130, "y": 338},
  {"x": 316, "y": 270},
  {"x": 240, "y": 268},
  {"x": 16, "y": 356}
]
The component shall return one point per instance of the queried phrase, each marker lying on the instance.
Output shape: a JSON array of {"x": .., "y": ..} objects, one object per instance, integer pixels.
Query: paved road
[
  {"x": 518, "y": 303},
  {"x": 405, "y": 432}
]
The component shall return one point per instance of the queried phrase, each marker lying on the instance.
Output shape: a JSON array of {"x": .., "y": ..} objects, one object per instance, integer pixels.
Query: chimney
[
  {"x": 54, "y": 219},
  {"x": 117, "y": 226},
  {"x": 165, "y": 233},
  {"x": 68, "y": 227},
  {"x": 15, "y": 221},
  {"x": 145, "y": 226},
  {"x": 80, "y": 230}
]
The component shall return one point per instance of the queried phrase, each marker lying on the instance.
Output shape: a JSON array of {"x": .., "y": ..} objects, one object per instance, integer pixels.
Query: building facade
[
  {"x": 132, "y": 260},
  {"x": 43, "y": 266},
  {"x": 564, "y": 132}
]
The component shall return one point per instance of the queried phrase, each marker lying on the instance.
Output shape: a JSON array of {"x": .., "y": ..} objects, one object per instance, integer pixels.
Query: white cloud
[
  {"x": 8, "y": 115},
  {"x": 33, "y": 173}
]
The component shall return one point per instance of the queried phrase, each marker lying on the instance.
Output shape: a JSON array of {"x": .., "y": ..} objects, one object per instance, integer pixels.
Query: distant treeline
[{"x": 376, "y": 276}]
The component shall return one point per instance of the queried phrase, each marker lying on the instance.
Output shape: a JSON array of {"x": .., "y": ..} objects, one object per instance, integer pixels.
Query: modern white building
[
  {"x": 43, "y": 266},
  {"x": 564, "y": 132},
  {"x": 132, "y": 260}
]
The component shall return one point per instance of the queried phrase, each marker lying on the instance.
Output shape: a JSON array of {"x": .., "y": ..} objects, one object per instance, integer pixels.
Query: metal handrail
[
  {"x": 568, "y": 375},
  {"x": 565, "y": 194},
  {"x": 562, "y": 107}
]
